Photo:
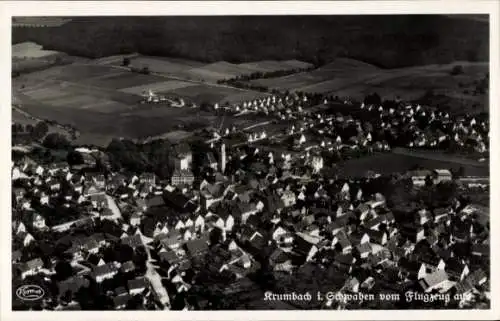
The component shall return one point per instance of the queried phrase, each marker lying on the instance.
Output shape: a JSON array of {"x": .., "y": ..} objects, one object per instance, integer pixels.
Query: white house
[{"x": 38, "y": 222}]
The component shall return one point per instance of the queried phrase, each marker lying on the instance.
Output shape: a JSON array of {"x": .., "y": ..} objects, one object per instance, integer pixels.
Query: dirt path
[{"x": 114, "y": 208}]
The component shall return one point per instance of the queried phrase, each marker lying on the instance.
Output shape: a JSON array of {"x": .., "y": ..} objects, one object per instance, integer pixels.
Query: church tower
[{"x": 222, "y": 158}]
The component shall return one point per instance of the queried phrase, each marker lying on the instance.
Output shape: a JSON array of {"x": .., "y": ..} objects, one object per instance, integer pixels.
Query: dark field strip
[{"x": 387, "y": 163}]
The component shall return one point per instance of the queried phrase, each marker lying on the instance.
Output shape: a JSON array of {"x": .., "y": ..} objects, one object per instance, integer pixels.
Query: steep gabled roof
[{"x": 104, "y": 269}]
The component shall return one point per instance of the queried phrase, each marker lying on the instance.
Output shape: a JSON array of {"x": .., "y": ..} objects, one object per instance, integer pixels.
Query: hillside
[{"x": 384, "y": 41}]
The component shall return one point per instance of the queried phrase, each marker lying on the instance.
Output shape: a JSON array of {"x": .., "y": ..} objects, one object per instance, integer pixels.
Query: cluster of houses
[
  {"x": 401, "y": 125},
  {"x": 270, "y": 203},
  {"x": 274, "y": 202},
  {"x": 282, "y": 106},
  {"x": 427, "y": 127}
]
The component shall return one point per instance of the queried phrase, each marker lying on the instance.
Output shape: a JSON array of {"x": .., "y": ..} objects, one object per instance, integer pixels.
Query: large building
[
  {"x": 222, "y": 158},
  {"x": 183, "y": 158},
  {"x": 182, "y": 166},
  {"x": 181, "y": 177}
]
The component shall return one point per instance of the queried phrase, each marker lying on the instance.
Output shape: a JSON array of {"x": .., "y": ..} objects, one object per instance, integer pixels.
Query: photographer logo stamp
[{"x": 30, "y": 292}]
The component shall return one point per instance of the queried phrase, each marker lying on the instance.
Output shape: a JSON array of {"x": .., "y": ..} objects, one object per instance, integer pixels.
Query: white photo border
[{"x": 9, "y": 9}]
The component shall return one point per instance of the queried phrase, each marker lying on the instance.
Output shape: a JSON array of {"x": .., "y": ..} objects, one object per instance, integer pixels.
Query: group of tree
[
  {"x": 126, "y": 62},
  {"x": 56, "y": 141},
  {"x": 29, "y": 132},
  {"x": 152, "y": 156},
  {"x": 457, "y": 70},
  {"x": 373, "y": 99},
  {"x": 483, "y": 85},
  {"x": 264, "y": 75},
  {"x": 442, "y": 194},
  {"x": 245, "y": 85}
]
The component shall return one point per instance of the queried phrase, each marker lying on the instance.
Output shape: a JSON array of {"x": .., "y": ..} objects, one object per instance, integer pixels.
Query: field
[
  {"x": 27, "y": 50},
  {"x": 349, "y": 78},
  {"x": 341, "y": 69},
  {"x": 217, "y": 71},
  {"x": 203, "y": 72},
  {"x": 102, "y": 101},
  {"x": 273, "y": 65},
  {"x": 123, "y": 80},
  {"x": 387, "y": 163},
  {"x": 225, "y": 70},
  {"x": 203, "y": 93}
]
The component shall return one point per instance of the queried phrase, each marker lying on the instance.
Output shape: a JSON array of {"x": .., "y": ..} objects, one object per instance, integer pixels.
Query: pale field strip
[
  {"x": 30, "y": 50},
  {"x": 208, "y": 75},
  {"x": 297, "y": 64},
  {"x": 222, "y": 70},
  {"x": 157, "y": 65},
  {"x": 158, "y": 87},
  {"x": 103, "y": 79},
  {"x": 250, "y": 67},
  {"x": 174, "y": 136},
  {"x": 128, "y": 80},
  {"x": 50, "y": 73},
  {"x": 72, "y": 101},
  {"x": 225, "y": 67},
  {"x": 33, "y": 53},
  {"x": 107, "y": 106},
  {"x": 274, "y": 65},
  {"x": 45, "y": 93},
  {"x": 77, "y": 72},
  {"x": 32, "y": 84}
]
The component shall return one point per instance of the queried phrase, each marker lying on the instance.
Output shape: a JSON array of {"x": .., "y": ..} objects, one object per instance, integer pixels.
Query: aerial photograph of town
[{"x": 293, "y": 162}]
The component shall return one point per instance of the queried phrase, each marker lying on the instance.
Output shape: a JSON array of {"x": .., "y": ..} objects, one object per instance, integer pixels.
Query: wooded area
[{"x": 387, "y": 41}]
